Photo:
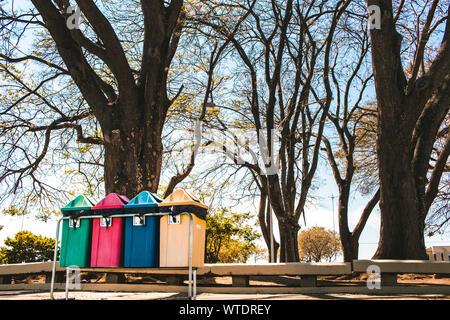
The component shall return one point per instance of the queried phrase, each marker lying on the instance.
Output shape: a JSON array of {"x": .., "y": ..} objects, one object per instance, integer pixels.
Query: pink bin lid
[{"x": 112, "y": 201}]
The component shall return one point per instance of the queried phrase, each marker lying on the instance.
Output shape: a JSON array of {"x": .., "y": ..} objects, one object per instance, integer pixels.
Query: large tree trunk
[
  {"x": 402, "y": 161},
  {"x": 349, "y": 240},
  {"x": 264, "y": 213},
  {"x": 132, "y": 160},
  {"x": 402, "y": 225},
  {"x": 289, "y": 242}
]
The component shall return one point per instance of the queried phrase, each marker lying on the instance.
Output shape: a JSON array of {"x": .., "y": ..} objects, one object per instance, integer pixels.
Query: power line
[{"x": 332, "y": 204}]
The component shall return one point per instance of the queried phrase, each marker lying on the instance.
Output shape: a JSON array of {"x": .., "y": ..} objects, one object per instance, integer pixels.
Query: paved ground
[{"x": 27, "y": 295}]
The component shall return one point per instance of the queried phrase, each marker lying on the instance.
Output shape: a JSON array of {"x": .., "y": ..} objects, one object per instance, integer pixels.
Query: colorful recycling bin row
[{"x": 135, "y": 241}]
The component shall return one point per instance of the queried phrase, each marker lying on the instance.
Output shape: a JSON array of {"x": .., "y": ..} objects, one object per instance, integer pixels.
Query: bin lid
[
  {"x": 79, "y": 203},
  {"x": 144, "y": 199},
  {"x": 182, "y": 197},
  {"x": 112, "y": 201}
]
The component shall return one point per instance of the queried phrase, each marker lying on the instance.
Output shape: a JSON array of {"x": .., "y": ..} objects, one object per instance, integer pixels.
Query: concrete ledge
[
  {"x": 26, "y": 268},
  {"x": 403, "y": 266},
  {"x": 162, "y": 271},
  {"x": 294, "y": 269},
  {"x": 108, "y": 287},
  {"x": 224, "y": 269}
]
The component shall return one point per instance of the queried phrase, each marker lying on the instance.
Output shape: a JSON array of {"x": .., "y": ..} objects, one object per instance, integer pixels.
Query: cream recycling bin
[{"x": 174, "y": 230}]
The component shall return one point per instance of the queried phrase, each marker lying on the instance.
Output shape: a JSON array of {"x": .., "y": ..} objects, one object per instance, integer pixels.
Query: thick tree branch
[
  {"x": 418, "y": 58},
  {"x": 113, "y": 48},
  {"x": 426, "y": 85},
  {"x": 73, "y": 57},
  {"x": 439, "y": 169},
  {"x": 31, "y": 57},
  {"x": 390, "y": 80},
  {"x": 365, "y": 215}
]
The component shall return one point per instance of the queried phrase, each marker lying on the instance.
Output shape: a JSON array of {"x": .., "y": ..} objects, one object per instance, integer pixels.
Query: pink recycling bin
[{"x": 107, "y": 232}]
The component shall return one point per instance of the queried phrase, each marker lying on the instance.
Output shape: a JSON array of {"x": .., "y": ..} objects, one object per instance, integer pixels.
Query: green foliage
[
  {"x": 27, "y": 247},
  {"x": 317, "y": 244},
  {"x": 14, "y": 211},
  {"x": 44, "y": 214},
  {"x": 228, "y": 238}
]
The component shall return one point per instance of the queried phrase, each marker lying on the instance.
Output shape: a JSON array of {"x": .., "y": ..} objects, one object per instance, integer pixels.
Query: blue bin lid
[{"x": 144, "y": 199}]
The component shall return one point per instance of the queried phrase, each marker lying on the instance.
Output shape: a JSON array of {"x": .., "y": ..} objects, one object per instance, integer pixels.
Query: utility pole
[
  {"x": 269, "y": 211},
  {"x": 332, "y": 204}
]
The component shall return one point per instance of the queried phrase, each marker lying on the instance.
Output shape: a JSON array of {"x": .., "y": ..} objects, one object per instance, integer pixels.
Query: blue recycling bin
[{"x": 141, "y": 238}]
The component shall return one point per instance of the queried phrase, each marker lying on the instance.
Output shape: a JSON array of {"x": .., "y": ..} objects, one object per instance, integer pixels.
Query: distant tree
[
  {"x": 229, "y": 238},
  {"x": 317, "y": 244},
  {"x": 27, "y": 247}
]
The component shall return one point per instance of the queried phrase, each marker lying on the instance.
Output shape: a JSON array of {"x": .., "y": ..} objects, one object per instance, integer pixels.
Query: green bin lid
[{"x": 79, "y": 203}]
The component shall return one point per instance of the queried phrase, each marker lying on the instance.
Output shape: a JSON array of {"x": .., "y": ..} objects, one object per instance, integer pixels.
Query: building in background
[{"x": 439, "y": 253}]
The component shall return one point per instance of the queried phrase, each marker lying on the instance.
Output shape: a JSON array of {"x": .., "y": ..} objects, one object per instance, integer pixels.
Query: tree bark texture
[{"x": 404, "y": 140}]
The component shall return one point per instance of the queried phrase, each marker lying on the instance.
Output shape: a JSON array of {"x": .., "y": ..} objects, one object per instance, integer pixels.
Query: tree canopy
[
  {"x": 27, "y": 247},
  {"x": 230, "y": 238},
  {"x": 317, "y": 244}
]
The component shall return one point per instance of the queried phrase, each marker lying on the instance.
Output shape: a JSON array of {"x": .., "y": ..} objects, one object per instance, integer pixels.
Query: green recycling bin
[{"x": 76, "y": 233}]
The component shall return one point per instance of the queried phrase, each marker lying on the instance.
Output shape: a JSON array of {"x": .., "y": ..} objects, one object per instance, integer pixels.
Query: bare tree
[
  {"x": 277, "y": 56},
  {"x": 349, "y": 119}
]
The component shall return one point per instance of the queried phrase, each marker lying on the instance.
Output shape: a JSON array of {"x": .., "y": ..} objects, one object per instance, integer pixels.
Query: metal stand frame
[{"x": 192, "y": 282}]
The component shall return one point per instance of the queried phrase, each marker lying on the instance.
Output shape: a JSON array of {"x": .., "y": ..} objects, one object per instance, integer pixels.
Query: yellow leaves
[
  {"x": 83, "y": 149},
  {"x": 317, "y": 244},
  {"x": 11, "y": 210},
  {"x": 198, "y": 67}
]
